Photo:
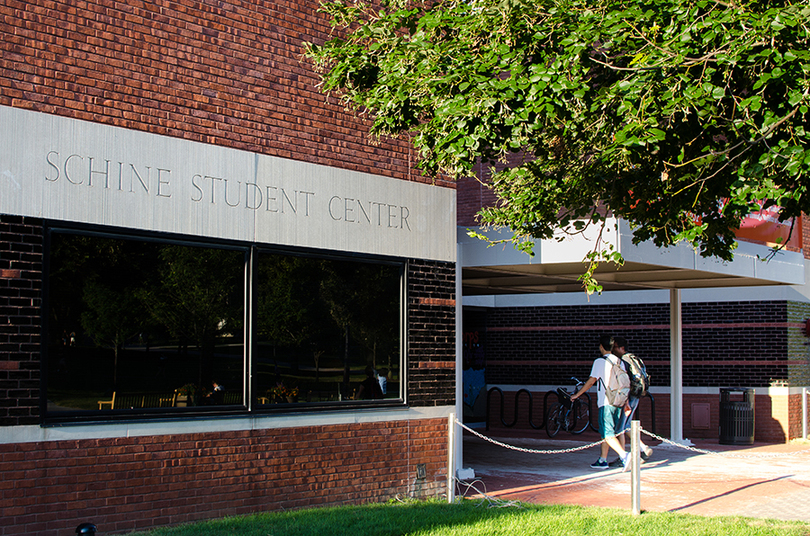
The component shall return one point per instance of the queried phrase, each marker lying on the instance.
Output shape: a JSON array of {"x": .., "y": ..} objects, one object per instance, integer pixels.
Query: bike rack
[
  {"x": 545, "y": 409},
  {"x": 531, "y": 405},
  {"x": 517, "y": 400},
  {"x": 545, "y": 405}
]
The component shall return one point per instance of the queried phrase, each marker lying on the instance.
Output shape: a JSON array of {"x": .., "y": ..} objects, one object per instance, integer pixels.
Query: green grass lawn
[{"x": 475, "y": 518}]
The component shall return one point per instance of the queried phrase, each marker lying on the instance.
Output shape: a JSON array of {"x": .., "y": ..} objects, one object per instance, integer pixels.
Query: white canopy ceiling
[{"x": 501, "y": 269}]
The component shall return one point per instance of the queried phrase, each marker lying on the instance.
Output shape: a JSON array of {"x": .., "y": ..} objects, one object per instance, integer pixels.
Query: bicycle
[{"x": 573, "y": 417}]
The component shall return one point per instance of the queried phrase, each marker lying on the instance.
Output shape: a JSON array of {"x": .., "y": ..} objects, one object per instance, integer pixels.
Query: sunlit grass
[{"x": 474, "y": 518}]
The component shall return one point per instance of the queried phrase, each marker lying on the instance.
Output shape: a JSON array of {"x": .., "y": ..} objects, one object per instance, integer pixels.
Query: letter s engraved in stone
[
  {"x": 196, "y": 187},
  {"x": 54, "y": 166}
]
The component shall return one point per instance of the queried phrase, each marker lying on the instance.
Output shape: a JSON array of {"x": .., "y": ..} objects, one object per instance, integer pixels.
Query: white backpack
[{"x": 617, "y": 387}]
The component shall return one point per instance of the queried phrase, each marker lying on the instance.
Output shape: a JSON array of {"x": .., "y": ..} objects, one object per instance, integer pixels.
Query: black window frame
[{"x": 251, "y": 252}]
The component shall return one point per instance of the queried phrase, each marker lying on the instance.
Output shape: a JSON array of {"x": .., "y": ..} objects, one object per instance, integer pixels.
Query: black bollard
[{"x": 86, "y": 528}]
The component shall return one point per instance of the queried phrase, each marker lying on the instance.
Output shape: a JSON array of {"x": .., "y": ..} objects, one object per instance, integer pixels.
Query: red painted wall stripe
[
  {"x": 648, "y": 362},
  {"x": 437, "y": 364},
  {"x": 437, "y": 301},
  {"x": 616, "y": 328}
]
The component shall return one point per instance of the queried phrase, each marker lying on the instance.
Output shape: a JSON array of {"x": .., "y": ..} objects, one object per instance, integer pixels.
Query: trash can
[{"x": 736, "y": 417}]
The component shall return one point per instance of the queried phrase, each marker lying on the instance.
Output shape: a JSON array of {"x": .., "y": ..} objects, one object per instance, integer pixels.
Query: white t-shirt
[{"x": 601, "y": 371}]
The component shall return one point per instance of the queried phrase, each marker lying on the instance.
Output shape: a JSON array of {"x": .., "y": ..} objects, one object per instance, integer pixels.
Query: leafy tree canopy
[{"x": 680, "y": 116}]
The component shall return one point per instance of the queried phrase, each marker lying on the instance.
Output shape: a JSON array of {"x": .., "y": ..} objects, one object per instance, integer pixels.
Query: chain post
[
  {"x": 635, "y": 467},
  {"x": 451, "y": 455}
]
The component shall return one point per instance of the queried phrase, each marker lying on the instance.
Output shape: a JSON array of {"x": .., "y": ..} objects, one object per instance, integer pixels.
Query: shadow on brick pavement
[{"x": 760, "y": 480}]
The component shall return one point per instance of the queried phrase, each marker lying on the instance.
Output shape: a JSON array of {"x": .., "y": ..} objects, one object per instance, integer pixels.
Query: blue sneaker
[{"x": 599, "y": 464}]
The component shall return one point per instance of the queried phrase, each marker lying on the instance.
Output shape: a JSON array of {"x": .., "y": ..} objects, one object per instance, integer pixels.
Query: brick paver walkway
[{"x": 674, "y": 479}]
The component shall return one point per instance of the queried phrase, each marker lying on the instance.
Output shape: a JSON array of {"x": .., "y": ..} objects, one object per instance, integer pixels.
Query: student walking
[{"x": 612, "y": 386}]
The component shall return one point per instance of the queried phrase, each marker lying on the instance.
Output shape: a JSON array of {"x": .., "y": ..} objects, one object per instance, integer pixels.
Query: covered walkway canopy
[{"x": 502, "y": 270}]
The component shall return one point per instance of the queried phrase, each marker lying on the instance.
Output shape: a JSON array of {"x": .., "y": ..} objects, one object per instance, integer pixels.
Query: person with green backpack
[
  {"x": 609, "y": 375},
  {"x": 639, "y": 385}
]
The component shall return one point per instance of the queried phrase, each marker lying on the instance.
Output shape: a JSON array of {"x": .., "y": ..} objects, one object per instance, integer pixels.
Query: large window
[
  {"x": 138, "y": 327},
  {"x": 323, "y": 327}
]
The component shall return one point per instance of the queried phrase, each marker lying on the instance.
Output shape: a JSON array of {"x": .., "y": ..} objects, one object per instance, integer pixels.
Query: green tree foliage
[{"x": 680, "y": 116}]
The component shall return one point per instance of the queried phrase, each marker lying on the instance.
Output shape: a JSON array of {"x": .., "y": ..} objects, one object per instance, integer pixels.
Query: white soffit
[
  {"x": 501, "y": 269},
  {"x": 69, "y": 170}
]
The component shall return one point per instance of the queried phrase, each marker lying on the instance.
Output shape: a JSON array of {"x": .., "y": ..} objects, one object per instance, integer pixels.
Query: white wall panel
[{"x": 64, "y": 169}]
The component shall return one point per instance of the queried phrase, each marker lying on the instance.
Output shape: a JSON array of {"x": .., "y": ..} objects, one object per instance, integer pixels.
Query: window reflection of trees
[
  {"x": 141, "y": 320},
  {"x": 199, "y": 297},
  {"x": 320, "y": 322},
  {"x": 157, "y": 323}
]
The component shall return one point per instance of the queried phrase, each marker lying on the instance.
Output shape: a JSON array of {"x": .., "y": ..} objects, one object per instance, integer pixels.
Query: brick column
[{"x": 20, "y": 307}]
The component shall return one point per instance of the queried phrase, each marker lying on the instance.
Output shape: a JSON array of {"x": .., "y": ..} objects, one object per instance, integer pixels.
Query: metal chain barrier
[
  {"x": 521, "y": 449},
  {"x": 650, "y": 434},
  {"x": 724, "y": 454}
]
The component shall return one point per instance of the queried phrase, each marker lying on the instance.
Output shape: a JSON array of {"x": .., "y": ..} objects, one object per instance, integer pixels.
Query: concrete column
[
  {"x": 676, "y": 366},
  {"x": 459, "y": 443}
]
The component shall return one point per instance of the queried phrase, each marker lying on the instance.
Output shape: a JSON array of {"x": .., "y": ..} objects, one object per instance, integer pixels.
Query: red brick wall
[
  {"x": 471, "y": 196},
  {"x": 474, "y": 193},
  {"x": 226, "y": 73},
  {"x": 230, "y": 74},
  {"x": 794, "y": 410},
  {"x": 431, "y": 333},
  {"x": 724, "y": 344},
  {"x": 772, "y": 422},
  {"x": 124, "y": 484},
  {"x": 128, "y": 483}
]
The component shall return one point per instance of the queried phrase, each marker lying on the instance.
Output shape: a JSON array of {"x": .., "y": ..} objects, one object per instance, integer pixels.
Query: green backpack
[{"x": 639, "y": 379}]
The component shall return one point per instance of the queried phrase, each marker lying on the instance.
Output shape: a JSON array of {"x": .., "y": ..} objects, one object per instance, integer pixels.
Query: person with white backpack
[{"x": 609, "y": 374}]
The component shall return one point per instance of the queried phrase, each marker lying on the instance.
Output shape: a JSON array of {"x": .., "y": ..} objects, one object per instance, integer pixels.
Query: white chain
[
  {"x": 521, "y": 449},
  {"x": 724, "y": 454},
  {"x": 654, "y": 436}
]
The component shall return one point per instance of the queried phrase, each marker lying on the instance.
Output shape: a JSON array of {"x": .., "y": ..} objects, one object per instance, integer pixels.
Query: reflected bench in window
[{"x": 137, "y": 400}]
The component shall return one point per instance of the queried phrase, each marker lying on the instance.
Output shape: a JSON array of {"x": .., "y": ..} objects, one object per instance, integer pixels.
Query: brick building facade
[{"x": 229, "y": 76}]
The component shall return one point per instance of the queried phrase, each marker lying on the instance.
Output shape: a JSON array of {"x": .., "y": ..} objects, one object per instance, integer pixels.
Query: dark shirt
[{"x": 370, "y": 389}]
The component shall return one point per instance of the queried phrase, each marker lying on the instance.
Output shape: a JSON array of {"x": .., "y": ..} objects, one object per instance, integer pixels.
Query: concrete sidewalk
[{"x": 770, "y": 481}]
